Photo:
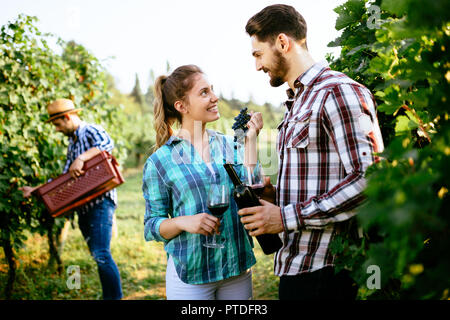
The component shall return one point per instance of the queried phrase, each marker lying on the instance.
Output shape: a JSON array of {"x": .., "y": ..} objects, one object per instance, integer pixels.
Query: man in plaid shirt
[
  {"x": 95, "y": 218},
  {"x": 326, "y": 141}
]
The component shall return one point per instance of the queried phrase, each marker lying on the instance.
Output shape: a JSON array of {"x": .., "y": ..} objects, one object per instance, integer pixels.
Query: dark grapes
[{"x": 240, "y": 124}]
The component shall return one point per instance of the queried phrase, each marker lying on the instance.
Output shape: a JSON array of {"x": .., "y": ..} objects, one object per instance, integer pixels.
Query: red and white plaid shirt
[{"x": 325, "y": 144}]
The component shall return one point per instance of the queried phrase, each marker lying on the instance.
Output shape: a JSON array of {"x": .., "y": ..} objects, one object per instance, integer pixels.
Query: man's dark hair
[{"x": 267, "y": 24}]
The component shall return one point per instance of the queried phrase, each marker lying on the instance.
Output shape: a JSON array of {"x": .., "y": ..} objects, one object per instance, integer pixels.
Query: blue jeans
[{"x": 96, "y": 227}]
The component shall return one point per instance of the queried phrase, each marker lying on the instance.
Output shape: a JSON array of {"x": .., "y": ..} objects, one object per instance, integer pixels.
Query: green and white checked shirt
[{"x": 176, "y": 182}]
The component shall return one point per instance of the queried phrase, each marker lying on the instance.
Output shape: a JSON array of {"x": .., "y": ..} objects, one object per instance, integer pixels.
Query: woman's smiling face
[{"x": 201, "y": 102}]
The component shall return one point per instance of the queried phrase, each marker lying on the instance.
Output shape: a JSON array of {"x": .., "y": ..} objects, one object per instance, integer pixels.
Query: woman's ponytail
[{"x": 162, "y": 124}]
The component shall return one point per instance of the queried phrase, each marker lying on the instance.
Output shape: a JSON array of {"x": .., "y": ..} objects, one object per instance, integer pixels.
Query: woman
[{"x": 176, "y": 181}]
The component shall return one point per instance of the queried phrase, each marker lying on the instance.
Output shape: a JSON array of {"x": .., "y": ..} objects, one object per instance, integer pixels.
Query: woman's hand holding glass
[{"x": 201, "y": 223}]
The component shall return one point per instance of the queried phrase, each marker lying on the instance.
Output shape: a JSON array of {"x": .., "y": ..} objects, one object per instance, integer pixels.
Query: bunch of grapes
[{"x": 240, "y": 124}]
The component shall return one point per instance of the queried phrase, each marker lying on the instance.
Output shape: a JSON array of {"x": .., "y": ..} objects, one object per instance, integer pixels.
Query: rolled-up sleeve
[{"x": 157, "y": 202}]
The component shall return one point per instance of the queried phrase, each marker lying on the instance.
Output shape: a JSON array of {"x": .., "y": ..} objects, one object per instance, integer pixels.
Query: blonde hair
[{"x": 168, "y": 90}]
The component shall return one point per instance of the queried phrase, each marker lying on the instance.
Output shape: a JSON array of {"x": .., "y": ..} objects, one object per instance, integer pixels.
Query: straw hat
[{"x": 60, "y": 107}]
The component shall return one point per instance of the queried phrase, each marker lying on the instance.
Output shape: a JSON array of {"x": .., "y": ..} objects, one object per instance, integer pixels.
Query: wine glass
[
  {"x": 218, "y": 202},
  {"x": 254, "y": 178}
]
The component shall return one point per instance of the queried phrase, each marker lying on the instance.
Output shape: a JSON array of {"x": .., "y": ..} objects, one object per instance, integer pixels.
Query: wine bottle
[{"x": 245, "y": 197}]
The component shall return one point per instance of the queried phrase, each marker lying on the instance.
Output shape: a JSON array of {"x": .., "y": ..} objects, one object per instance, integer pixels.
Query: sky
[{"x": 137, "y": 36}]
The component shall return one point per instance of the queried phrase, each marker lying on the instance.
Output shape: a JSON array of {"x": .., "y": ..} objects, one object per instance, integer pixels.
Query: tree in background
[
  {"x": 150, "y": 94},
  {"x": 32, "y": 75},
  {"x": 399, "y": 50},
  {"x": 136, "y": 93}
]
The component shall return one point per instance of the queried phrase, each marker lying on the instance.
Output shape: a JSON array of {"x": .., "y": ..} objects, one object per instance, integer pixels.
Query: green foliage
[
  {"x": 32, "y": 75},
  {"x": 141, "y": 264},
  {"x": 405, "y": 63}
]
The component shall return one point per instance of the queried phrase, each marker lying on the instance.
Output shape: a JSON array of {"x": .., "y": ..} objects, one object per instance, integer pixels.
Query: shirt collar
[
  {"x": 312, "y": 74},
  {"x": 306, "y": 79},
  {"x": 175, "y": 139},
  {"x": 76, "y": 134}
]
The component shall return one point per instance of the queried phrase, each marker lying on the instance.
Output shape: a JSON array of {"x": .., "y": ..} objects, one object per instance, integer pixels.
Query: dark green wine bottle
[{"x": 245, "y": 197}]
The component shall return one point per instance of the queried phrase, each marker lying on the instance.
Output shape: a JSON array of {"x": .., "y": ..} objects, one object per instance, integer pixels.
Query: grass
[{"x": 141, "y": 264}]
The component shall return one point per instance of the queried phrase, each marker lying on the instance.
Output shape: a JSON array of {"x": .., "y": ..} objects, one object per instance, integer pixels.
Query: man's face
[
  {"x": 63, "y": 125},
  {"x": 270, "y": 60}
]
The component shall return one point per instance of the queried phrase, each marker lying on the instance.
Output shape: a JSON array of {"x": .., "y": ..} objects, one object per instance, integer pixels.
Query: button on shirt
[
  {"x": 326, "y": 141},
  {"x": 176, "y": 183},
  {"x": 88, "y": 136}
]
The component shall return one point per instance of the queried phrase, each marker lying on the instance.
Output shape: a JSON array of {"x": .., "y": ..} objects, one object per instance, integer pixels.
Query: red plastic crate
[{"x": 66, "y": 193}]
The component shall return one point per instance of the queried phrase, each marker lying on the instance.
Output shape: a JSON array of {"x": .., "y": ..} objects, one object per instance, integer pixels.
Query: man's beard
[
  {"x": 70, "y": 133},
  {"x": 279, "y": 70}
]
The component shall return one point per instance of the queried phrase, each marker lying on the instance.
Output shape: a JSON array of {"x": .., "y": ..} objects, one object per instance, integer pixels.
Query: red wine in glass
[
  {"x": 258, "y": 188},
  {"x": 253, "y": 178},
  {"x": 218, "y": 209},
  {"x": 217, "y": 203}
]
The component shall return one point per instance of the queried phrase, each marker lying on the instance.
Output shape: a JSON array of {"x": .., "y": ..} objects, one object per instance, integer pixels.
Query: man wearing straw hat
[{"x": 95, "y": 218}]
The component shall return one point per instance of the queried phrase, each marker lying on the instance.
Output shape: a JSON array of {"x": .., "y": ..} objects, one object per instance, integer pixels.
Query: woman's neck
[{"x": 195, "y": 132}]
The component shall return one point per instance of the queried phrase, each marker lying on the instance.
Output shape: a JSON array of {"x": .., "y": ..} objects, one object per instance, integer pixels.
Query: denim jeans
[{"x": 96, "y": 227}]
